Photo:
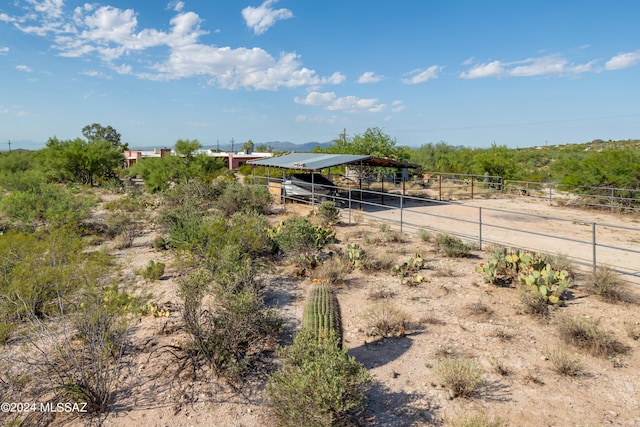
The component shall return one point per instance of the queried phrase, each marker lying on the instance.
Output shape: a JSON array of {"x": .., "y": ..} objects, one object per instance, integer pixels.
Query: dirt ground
[{"x": 453, "y": 314}]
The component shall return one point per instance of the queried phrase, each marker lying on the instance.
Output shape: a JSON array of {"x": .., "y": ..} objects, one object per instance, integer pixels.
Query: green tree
[
  {"x": 187, "y": 148},
  {"x": 96, "y": 132},
  {"x": 79, "y": 160},
  {"x": 373, "y": 142},
  {"x": 248, "y": 146}
]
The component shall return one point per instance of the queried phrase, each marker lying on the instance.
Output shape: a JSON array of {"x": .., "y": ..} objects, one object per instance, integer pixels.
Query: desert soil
[{"x": 453, "y": 314}]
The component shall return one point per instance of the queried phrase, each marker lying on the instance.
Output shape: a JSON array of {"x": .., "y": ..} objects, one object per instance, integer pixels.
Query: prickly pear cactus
[{"x": 322, "y": 312}]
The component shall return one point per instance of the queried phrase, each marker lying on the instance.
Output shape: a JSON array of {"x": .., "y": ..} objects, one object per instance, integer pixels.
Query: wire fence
[{"x": 587, "y": 243}]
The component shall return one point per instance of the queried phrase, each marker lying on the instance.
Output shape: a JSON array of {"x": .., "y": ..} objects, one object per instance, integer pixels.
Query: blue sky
[{"x": 517, "y": 73}]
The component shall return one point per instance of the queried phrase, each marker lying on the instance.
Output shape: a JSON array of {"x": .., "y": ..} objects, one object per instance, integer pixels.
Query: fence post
[
  {"x": 611, "y": 204},
  {"x": 593, "y": 238},
  {"x": 401, "y": 210},
  {"x": 439, "y": 187},
  {"x": 480, "y": 227},
  {"x": 472, "y": 187}
]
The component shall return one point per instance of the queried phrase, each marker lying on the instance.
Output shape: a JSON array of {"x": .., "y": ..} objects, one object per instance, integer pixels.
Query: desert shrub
[
  {"x": 184, "y": 225},
  {"x": 425, "y": 235},
  {"x": 153, "y": 271},
  {"x": 160, "y": 243},
  {"x": 234, "y": 270},
  {"x": 334, "y": 270},
  {"x": 534, "y": 303},
  {"x": 84, "y": 357},
  {"x": 633, "y": 329},
  {"x": 587, "y": 334},
  {"x": 463, "y": 378},
  {"x": 328, "y": 213},
  {"x": 378, "y": 260},
  {"x": 564, "y": 363},
  {"x": 297, "y": 235},
  {"x": 386, "y": 319},
  {"x": 238, "y": 197},
  {"x": 47, "y": 204},
  {"x": 6, "y": 329},
  {"x": 38, "y": 269},
  {"x": 233, "y": 333},
  {"x": 249, "y": 231},
  {"x": 318, "y": 385},
  {"x": 193, "y": 193},
  {"x": 452, "y": 246},
  {"x": 606, "y": 284},
  {"x": 381, "y": 292}
]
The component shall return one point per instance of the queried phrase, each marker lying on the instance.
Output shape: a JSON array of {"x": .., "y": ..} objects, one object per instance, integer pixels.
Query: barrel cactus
[{"x": 322, "y": 312}]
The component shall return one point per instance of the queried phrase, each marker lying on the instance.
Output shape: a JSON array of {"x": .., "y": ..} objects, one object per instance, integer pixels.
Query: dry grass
[
  {"x": 564, "y": 363},
  {"x": 606, "y": 284},
  {"x": 385, "y": 319},
  {"x": 585, "y": 333},
  {"x": 479, "y": 419},
  {"x": 632, "y": 329},
  {"x": 462, "y": 377},
  {"x": 479, "y": 309},
  {"x": 534, "y": 305},
  {"x": 334, "y": 270}
]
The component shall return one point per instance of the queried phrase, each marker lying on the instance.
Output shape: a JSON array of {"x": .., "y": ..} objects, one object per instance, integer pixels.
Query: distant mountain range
[{"x": 276, "y": 146}]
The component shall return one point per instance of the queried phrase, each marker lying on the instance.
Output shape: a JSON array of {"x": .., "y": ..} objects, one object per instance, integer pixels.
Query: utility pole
[
  {"x": 9, "y": 146},
  {"x": 344, "y": 136},
  {"x": 217, "y": 145},
  {"x": 232, "y": 145}
]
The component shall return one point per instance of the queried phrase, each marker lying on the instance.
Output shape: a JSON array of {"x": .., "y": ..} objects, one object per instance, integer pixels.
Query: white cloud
[
  {"x": 421, "y": 75},
  {"x": 5, "y": 18},
  {"x": 397, "y": 106},
  {"x": 112, "y": 34},
  {"x": 623, "y": 60},
  {"x": 4, "y": 110},
  {"x": 24, "y": 68},
  {"x": 370, "y": 77},
  {"x": 263, "y": 17},
  {"x": 4, "y": 50},
  {"x": 95, "y": 73},
  {"x": 331, "y": 102},
  {"x": 541, "y": 66},
  {"x": 177, "y": 6}
]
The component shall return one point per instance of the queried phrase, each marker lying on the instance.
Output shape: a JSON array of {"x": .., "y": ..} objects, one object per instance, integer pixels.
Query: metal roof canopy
[{"x": 317, "y": 161}]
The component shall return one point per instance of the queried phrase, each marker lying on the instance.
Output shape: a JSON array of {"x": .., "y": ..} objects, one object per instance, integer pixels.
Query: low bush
[
  {"x": 328, "y": 213},
  {"x": 463, "y": 378},
  {"x": 452, "y": 247},
  {"x": 231, "y": 334},
  {"x": 606, "y": 284},
  {"x": 153, "y": 271},
  {"x": 587, "y": 334},
  {"x": 386, "y": 319},
  {"x": 564, "y": 363},
  {"x": 297, "y": 235},
  {"x": 238, "y": 197},
  {"x": 334, "y": 270},
  {"x": 318, "y": 385},
  {"x": 425, "y": 235}
]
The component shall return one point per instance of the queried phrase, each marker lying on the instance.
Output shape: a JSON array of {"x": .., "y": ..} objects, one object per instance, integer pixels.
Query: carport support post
[
  {"x": 349, "y": 206},
  {"x": 313, "y": 191},
  {"x": 282, "y": 189}
]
